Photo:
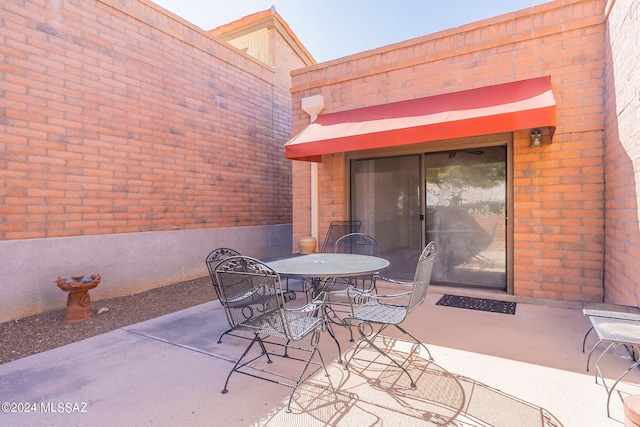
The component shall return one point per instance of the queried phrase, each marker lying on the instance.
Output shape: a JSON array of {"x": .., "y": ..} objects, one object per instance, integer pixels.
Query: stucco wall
[
  {"x": 128, "y": 262},
  {"x": 622, "y": 274},
  {"x": 558, "y": 189},
  {"x": 121, "y": 120}
]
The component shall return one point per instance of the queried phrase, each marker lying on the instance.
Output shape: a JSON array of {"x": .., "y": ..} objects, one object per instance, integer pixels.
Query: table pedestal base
[{"x": 78, "y": 307}]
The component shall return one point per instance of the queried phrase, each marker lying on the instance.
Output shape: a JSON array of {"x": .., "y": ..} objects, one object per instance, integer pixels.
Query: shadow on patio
[{"x": 373, "y": 394}]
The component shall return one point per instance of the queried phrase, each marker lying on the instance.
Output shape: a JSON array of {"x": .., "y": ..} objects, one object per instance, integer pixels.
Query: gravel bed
[{"x": 41, "y": 332}]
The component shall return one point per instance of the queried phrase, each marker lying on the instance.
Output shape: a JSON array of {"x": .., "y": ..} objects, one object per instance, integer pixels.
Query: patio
[{"x": 490, "y": 369}]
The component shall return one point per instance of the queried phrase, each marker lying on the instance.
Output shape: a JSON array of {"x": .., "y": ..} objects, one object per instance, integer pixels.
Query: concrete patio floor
[{"x": 489, "y": 369}]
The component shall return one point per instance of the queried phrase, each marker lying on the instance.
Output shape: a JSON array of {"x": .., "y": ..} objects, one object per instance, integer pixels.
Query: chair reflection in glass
[
  {"x": 383, "y": 311},
  {"x": 252, "y": 297}
]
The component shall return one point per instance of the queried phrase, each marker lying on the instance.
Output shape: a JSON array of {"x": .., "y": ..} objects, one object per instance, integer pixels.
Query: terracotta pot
[
  {"x": 307, "y": 245},
  {"x": 78, "y": 300}
]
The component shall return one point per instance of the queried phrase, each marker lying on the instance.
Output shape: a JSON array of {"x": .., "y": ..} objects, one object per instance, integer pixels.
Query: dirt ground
[{"x": 41, "y": 332}]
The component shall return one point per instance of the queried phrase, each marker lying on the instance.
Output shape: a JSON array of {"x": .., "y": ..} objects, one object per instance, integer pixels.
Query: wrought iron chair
[
  {"x": 251, "y": 294},
  {"x": 338, "y": 299},
  {"x": 336, "y": 230},
  {"x": 357, "y": 243},
  {"x": 362, "y": 244},
  {"x": 380, "y": 310},
  {"x": 213, "y": 259}
]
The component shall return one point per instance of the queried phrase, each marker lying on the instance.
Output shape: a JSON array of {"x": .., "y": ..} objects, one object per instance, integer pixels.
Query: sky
[{"x": 332, "y": 29}]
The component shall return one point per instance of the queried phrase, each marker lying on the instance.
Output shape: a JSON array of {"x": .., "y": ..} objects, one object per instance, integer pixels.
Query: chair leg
[
  {"x": 417, "y": 341},
  {"x": 350, "y": 331},
  {"x": 584, "y": 341},
  {"x": 235, "y": 367},
  {"x": 223, "y": 334},
  {"x": 590, "y": 353},
  {"x": 307, "y": 289},
  {"x": 335, "y": 339},
  {"x": 264, "y": 350},
  {"x": 255, "y": 339},
  {"x": 333, "y": 317},
  {"x": 364, "y": 338},
  {"x": 260, "y": 342},
  {"x": 355, "y": 351},
  {"x": 610, "y": 390},
  {"x": 315, "y": 339}
]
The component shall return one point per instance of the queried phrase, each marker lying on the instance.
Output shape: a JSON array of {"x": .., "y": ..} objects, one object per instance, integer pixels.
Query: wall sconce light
[{"x": 536, "y": 138}]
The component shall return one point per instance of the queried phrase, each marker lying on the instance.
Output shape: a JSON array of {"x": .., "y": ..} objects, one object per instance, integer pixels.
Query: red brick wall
[
  {"x": 119, "y": 117},
  {"x": 558, "y": 200},
  {"x": 622, "y": 252}
]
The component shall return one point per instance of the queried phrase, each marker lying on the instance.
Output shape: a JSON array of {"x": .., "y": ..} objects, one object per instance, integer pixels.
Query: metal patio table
[
  {"x": 616, "y": 332},
  {"x": 321, "y": 268}
]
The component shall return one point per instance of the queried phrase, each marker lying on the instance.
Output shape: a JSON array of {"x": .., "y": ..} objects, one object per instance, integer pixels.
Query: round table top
[{"x": 329, "y": 265}]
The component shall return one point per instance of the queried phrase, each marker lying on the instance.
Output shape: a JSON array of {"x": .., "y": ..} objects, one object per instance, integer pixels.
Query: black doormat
[{"x": 481, "y": 304}]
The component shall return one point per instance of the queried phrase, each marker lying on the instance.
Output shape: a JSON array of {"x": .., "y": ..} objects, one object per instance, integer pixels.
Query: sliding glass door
[
  {"x": 455, "y": 198},
  {"x": 386, "y": 197},
  {"x": 465, "y": 196}
]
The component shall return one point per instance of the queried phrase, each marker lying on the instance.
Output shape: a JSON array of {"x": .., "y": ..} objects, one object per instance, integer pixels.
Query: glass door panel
[
  {"x": 386, "y": 197},
  {"x": 466, "y": 216}
]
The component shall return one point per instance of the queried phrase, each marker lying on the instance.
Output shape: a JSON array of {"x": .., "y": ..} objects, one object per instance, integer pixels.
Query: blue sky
[{"x": 331, "y": 29}]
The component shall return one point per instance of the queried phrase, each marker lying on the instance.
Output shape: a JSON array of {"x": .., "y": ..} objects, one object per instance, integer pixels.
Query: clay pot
[{"x": 307, "y": 245}]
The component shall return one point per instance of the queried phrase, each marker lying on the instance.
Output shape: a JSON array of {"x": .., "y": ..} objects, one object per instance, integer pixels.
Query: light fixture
[{"x": 536, "y": 138}]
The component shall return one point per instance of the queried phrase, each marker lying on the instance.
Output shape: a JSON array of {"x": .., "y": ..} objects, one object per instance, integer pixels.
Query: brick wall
[
  {"x": 132, "y": 144},
  {"x": 622, "y": 251},
  {"x": 119, "y": 117},
  {"x": 559, "y": 188}
]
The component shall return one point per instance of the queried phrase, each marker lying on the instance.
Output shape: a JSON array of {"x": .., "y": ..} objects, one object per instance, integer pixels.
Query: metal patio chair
[
  {"x": 252, "y": 297},
  {"x": 338, "y": 301},
  {"x": 213, "y": 259},
  {"x": 361, "y": 244},
  {"x": 384, "y": 310},
  {"x": 357, "y": 243},
  {"x": 336, "y": 230}
]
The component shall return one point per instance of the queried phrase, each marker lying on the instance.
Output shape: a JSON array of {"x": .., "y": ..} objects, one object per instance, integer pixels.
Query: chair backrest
[
  {"x": 212, "y": 261},
  {"x": 357, "y": 243},
  {"x": 251, "y": 294},
  {"x": 422, "y": 277},
  {"x": 336, "y": 230}
]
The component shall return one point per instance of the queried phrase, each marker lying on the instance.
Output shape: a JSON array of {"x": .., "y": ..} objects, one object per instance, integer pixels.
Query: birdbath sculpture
[{"x": 78, "y": 301}]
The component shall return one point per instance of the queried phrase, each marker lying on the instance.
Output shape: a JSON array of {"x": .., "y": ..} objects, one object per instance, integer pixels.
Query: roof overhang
[{"x": 524, "y": 104}]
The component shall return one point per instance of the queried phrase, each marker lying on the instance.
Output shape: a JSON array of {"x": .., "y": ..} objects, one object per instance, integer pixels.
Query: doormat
[{"x": 481, "y": 304}]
